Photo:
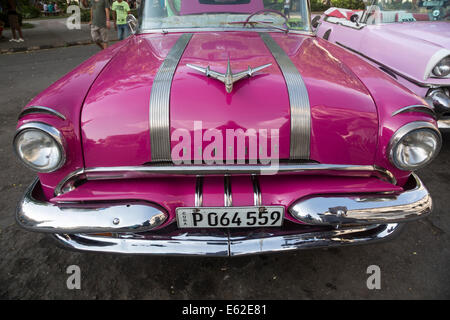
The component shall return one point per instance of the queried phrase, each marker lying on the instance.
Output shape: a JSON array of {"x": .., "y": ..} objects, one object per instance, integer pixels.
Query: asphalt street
[
  {"x": 50, "y": 33},
  {"x": 414, "y": 265}
]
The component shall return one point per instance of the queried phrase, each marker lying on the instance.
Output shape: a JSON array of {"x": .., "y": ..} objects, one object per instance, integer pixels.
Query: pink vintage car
[
  {"x": 224, "y": 128},
  {"x": 409, "y": 40}
]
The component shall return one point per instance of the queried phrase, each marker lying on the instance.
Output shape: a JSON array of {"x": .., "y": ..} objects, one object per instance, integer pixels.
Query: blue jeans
[{"x": 123, "y": 31}]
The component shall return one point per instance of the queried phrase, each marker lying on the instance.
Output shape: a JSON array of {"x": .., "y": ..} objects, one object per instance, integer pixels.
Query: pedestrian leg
[
  {"x": 120, "y": 32},
  {"x": 20, "y": 32}
]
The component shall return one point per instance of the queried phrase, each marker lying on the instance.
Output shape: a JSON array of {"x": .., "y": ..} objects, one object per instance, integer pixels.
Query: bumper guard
[{"x": 40, "y": 216}]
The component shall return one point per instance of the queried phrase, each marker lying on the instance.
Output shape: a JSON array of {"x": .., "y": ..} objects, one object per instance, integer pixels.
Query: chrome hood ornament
[{"x": 228, "y": 78}]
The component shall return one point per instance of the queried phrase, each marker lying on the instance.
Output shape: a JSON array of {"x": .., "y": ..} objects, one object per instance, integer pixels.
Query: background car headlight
[
  {"x": 442, "y": 69},
  {"x": 414, "y": 145},
  {"x": 39, "y": 146}
]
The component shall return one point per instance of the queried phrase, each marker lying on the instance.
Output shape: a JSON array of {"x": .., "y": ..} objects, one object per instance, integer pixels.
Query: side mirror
[
  {"x": 354, "y": 18},
  {"x": 132, "y": 23},
  {"x": 315, "y": 22}
]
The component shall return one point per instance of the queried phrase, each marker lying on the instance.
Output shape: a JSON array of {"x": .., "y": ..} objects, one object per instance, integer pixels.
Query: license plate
[{"x": 229, "y": 217}]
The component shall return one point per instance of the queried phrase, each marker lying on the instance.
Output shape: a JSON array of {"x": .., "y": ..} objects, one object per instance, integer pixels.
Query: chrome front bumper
[
  {"x": 326, "y": 221},
  {"x": 185, "y": 244}
]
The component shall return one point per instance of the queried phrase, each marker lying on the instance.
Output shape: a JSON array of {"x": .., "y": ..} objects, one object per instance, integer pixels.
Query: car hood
[
  {"x": 115, "y": 117},
  {"x": 402, "y": 41},
  {"x": 437, "y": 33}
]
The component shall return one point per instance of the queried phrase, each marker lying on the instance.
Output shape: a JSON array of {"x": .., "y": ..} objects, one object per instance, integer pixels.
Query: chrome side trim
[
  {"x": 402, "y": 131},
  {"x": 228, "y": 201},
  {"x": 256, "y": 191},
  {"x": 416, "y": 108},
  {"x": 136, "y": 172},
  {"x": 199, "y": 192},
  {"x": 50, "y": 130},
  {"x": 40, "y": 109},
  {"x": 364, "y": 209},
  {"x": 132, "y": 216},
  {"x": 420, "y": 84},
  {"x": 160, "y": 101},
  {"x": 185, "y": 244},
  {"x": 298, "y": 99}
]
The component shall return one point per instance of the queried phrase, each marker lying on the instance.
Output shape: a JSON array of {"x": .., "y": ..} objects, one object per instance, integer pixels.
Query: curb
[{"x": 47, "y": 46}]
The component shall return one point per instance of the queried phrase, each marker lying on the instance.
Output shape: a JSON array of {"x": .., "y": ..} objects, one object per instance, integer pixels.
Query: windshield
[
  {"x": 226, "y": 14},
  {"x": 392, "y": 11}
]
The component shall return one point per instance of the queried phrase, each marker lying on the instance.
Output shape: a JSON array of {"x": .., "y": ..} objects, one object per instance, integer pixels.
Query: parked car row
[
  {"x": 410, "y": 42},
  {"x": 229, "y": 128}
]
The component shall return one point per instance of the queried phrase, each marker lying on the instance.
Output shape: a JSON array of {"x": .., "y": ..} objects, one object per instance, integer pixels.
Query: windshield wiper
[{"x": 252, "y": 23}]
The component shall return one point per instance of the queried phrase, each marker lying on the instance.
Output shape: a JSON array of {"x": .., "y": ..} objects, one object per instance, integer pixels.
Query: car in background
[
  {"x": 224, "y": 128},
  {"x": 409, "y": 40}
]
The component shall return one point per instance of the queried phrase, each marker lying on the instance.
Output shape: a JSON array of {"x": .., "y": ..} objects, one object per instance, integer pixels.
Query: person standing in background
[
  {"x": 2, "y": 23},
  {"x": 121, "y": 9},
  {"x": 287, "y": 7},
  {"x": 13, "y": 18},
  {"x": 100, "y": 22}
]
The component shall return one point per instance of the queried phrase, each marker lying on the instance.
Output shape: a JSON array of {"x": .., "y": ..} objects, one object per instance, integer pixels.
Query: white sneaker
[
  {"x": 20, "y": 40},
  {"x": 13, "y": 40}
]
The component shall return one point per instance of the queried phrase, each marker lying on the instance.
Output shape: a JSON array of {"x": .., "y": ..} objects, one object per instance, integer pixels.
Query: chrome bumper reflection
[
  {"x": 444, "y": 124},
  {"x": 438, "y": 98},
  {"x": 364, "y": 209},
  {"x": 222, "y": 245},
  {"x": 133, "y": 216}
]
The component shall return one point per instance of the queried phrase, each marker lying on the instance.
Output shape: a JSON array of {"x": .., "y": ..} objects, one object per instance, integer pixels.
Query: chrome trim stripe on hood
[
  {"x": 160, "y": 101},
  {"x": 298, "y": 99}
]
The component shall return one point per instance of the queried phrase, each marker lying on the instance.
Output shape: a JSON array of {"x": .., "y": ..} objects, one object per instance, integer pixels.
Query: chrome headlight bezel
[
  {"x": 52, "y": 133},
  {"x": 437, "y": 71},
  {"x": 402, "y": 133}
]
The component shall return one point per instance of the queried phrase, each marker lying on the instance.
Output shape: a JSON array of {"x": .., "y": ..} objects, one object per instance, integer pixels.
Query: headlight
[
  {"x": 442, "y": 69},
  {"x": 414, "y": 145},
  {"x": 39, "y": 146}
]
